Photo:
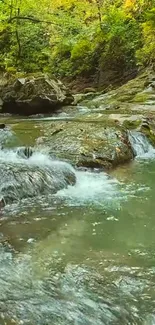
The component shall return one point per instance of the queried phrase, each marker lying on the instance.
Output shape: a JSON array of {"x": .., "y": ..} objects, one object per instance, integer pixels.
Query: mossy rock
[
  {"x": 134, "y": 91},
  {"x": 92, "y": 145}
]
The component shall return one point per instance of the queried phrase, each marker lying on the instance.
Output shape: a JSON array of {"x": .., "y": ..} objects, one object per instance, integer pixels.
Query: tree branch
[
  {"x": 17, "y": 36},
  {"x": 34, "y": 20}
]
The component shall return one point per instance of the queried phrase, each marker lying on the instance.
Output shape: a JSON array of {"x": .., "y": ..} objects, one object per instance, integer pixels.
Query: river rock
[
  {"x": 24, "y": 152},
  {"x": 23, "y": 180},
  {"x": 33, "y": 95},
  {"x": 90, "y": 144}
]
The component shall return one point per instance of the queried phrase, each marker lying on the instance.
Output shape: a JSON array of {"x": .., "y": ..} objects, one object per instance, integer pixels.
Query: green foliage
[
  {"x": 77, "y": 37},
  {"x": 121, "y": 39},
  {"x": 59, "y": 58},
  {"x": 146, "y": 54},
  {"x": 82, "y": 56}
]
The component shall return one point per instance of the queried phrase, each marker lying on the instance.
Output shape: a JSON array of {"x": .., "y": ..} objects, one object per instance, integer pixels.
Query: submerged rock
[
  {"x": 90, "y": 144},
  {"x": 33, "y": 95}
]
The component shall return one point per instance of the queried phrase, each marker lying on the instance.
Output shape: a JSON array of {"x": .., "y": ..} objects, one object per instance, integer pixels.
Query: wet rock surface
[
  {"x": 91, "y": 145},
  {"x": 136, "y": 95},
  {"x": 33, "y": 95},
  {"x": 131, "y": 106},
  {"x": 23, "y": 178}
]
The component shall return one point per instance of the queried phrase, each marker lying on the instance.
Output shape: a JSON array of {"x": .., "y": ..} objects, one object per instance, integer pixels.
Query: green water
[{"x": 83, "y": 256}]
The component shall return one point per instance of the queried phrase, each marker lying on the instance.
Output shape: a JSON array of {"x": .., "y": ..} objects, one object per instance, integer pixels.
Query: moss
[
  {"x": 149, "y": 134},
  {"x": 103, "y": 121},
  {"x": 140, "y": 98},
  {"x": 131, "y": 124},
  {"x": 124, "y": 97}
]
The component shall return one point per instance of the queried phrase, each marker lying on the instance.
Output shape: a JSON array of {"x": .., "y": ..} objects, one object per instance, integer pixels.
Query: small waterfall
[
  {"x": 140, "y": 144},
  {"x": 23, "y": 177},
  {"x": 29, "y": 173}
]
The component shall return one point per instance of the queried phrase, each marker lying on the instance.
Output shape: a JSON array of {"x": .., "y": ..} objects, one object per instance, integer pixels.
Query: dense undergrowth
[{"x": 105, "y": 40}]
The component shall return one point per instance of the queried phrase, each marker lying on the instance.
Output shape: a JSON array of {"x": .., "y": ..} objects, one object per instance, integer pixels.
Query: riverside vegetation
[{"x": 94, "y": 42}]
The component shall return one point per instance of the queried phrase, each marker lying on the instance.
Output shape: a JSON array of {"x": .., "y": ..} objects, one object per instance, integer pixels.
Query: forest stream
[{"x": 83, "y": 255}]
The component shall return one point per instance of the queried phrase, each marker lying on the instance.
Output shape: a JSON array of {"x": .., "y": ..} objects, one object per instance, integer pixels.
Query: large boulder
[
  {"x": 33, "y": 95},
  {"x": 90, "y": 144}
]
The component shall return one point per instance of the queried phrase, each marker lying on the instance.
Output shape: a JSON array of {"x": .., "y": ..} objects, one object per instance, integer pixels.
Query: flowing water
[{"x": 82, "y": 254}]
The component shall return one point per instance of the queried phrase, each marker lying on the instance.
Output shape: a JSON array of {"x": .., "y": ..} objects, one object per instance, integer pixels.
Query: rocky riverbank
[{"x": 93, "y": 131}]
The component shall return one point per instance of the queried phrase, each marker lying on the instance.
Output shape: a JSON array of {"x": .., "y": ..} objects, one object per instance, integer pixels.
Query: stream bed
[{"x": 84, "y": 255}]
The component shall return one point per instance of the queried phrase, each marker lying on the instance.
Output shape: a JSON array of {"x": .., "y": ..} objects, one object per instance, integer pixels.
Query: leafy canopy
[{"x": 76, "y": 37}]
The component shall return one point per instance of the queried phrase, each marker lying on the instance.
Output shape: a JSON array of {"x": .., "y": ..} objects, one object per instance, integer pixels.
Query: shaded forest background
[{"x": 100, "y": 41}]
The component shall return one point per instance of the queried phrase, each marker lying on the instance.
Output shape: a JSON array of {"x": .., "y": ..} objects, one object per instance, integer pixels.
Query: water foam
[
  {"x": 92, "y": 187},
  {"x": 38, "y": 158}
]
